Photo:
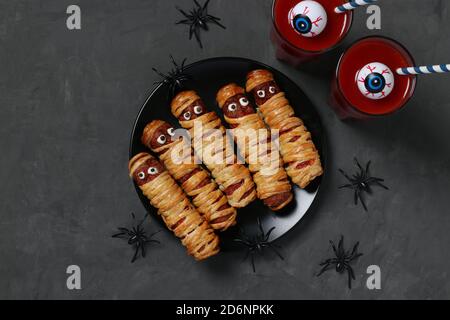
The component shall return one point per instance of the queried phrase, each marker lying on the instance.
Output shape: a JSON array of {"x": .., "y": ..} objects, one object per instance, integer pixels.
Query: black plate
[{"x": 208, "y": 76}]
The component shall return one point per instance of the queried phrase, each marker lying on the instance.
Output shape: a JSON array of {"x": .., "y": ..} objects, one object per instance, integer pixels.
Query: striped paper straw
[
  {"x": 439, "y": 68},
  {"x": 352, "y": 5}
]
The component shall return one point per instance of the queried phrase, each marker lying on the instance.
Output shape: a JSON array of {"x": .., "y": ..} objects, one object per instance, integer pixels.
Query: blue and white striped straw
[
  {"x": 439, "y": 68},
  {"x": 352, "y": 5}
]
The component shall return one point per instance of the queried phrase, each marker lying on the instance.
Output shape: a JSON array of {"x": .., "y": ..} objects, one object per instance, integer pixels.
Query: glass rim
[
  {"x": 309, "y": 51},
  {"x": 411, "y": 76}
]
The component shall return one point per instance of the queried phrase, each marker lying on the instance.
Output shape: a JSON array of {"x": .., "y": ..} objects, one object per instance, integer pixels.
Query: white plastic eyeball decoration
[
  {"x": 198, "y": 109},
  {"x": 232, "y": 107},
  {"x": 308, "y": 18},
  {"x": 161, "y": 139},
  {"x": 375, "y": 80},
  {"x": 243, "y": 102}
]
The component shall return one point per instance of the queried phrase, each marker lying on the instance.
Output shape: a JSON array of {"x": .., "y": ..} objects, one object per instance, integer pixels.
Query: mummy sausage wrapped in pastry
[
  {"x": 296, "y": 147},
  {"x": 174, "y": 207},
  {"x": 256, "y": 146},
  {"x": 179, "y": 160},
  {"x": 213, "y": 147}
]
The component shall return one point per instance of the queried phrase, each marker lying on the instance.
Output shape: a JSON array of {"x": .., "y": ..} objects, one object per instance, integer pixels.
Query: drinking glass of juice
[
  {"x": 303, "y": 30},
  {"x": 366, "y": 85}
]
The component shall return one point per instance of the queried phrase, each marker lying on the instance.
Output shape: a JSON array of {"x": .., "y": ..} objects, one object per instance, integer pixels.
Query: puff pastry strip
[
  {"x": 258, "y": 149},
  {"x": 213, "y": 147},
  {"x": 296, "y": 147},
  {"x": 173, "y": 206},
  {"x": 178, "y": 158}
]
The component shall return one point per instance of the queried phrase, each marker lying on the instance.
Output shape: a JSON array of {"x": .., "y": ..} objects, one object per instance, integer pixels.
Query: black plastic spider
[
  {"x": 174, "y": 78},
  {"x": 137, "y": 237},
  {"x": 197, "y": 19},
  {"x": 342, "y": 260},
  {"x": 360, "y": 182},
  {"x": 257, "y": 243}
]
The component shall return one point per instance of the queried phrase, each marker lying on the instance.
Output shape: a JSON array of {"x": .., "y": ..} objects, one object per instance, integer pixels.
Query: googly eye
[
  {"x": 141, "y": 175},
  {"x": 187, "y": 115},
  {"x": 308, "y": 18},
  {"x": 375, "y": 80},
  {"x": 170, "y": 131},
  {"x": 243, "y": 102},
  {"x": 261, "y": 93},
  {"x": 272, "y": 89},
  {"x": 232, "y": 107},
  {"x": 161, "y": 139},
  {"x": 152, "y": 171},
  {"x": 198, "y": 109}
]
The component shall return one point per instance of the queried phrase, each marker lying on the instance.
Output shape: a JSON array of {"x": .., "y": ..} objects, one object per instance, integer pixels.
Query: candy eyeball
[
  {"x": 141, "y": 175},
  {"x": 272, "y": 89},
  {"x": 161, "y": 139},
  {"x": 375, "y": 80},
  {"x": 198, "y": 109},
  {"x": 261, "y": 93},
  {"x": 232, "y": 107},
  {"x": 308, "y": 18},
  {"x": 187, "y": 115},
  {"x": 243, "y": 102},
  {"x": 170, "y": 131},
  {"x": 152, "y": 171}
]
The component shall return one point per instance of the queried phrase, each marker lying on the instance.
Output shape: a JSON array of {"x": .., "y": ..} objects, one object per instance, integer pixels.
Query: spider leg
[
  {"x": 341, "y": 246},
  {"x": 358, "y": 164},
  {"x": 142, "y": 245},
  {"x": 191, "y": 31},
  {"x": 152, "y": 234},
  {"x": 368, "y": 166},
  {"x": 362, "y": 201},
  {"x": 118, "y": 235},
  {"x": 345, "y": 175},
  {"x": 159, "y": 73},
  {"x": 378, "y": 181},
  {"x": 348, "y": 185},
  {"x": 268, "y": 233},
  {"x": 355, "y": 196},
  {"x": 216, "y": 21},
  {"x": 174, "y": 63},
  {"x": 334, "y": 248},
  {"x": 326, "y": 262},
  {"x": 258, "y": 221},
  {"x": 356, "y": 256},
  {"x": 276, "y": 251},
  {"x": 182, "y": 12},
  {"x": 197, "y": 4},
  {"x": 197, "y": 36},
  {"x": 324, "y": 268},
  {"x": 245, "y": 242},
  {"x": 135, "y": 253},
  {"x": 184, "y": 21},
  {"x": 350, "y": 276},
  {"x": 205, "y": 5},
  {"x": 253, "y": 262},
  {"x": 182, "y": 64},
  {"x": 355, "y": 248},
  {"x": 247, "y": 254}
]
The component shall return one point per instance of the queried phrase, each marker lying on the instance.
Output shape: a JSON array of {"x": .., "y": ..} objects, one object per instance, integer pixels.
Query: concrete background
[{"x": 68, "y": 100}]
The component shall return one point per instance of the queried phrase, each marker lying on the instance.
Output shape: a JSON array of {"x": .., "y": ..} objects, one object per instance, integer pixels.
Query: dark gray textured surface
[{"x": 68, "y": 100}]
